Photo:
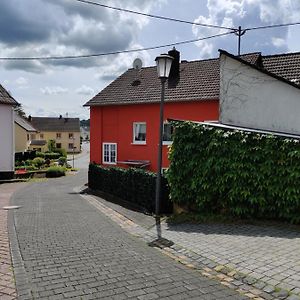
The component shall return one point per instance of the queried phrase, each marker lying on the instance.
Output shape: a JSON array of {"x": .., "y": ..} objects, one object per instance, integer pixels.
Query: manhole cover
[{"x": 11, "y": 207}]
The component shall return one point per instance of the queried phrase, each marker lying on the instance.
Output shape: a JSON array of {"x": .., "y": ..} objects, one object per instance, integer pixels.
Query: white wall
[
  {"x": 6, "y": 138},
  {"x": 250, "y": 98}
]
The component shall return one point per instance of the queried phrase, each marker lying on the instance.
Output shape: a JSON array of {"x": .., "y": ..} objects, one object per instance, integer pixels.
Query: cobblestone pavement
[
  {"x": 265, "y": 253},
  {"x": 69, "y": 249},
  {"x": 264, "y": 258},
  {"x": 7, "y": 283}
]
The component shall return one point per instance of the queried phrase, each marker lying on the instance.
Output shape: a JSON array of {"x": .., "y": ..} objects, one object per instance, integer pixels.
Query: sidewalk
[
  {"x": 261, "y": 261},
  {"x": 7, "y": 282}
]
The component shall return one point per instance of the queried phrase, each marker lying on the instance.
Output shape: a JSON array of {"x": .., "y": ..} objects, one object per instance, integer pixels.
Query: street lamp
[{"x": 163, "y": 63}]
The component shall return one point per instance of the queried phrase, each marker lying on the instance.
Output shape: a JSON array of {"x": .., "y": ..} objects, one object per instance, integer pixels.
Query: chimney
[
  {"x": 174, "y": 72},
  {"x": 29, "y": 118}
]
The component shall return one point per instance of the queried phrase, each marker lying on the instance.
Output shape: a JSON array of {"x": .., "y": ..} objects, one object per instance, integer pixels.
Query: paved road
[{"x": 71, "y": 250}]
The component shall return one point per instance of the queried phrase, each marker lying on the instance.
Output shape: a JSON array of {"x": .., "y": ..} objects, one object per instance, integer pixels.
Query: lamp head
[{"x": 163, "y": 64}]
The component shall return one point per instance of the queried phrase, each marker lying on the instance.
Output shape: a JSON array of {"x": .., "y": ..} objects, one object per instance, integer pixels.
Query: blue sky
[{"x": 66, "y": 27}]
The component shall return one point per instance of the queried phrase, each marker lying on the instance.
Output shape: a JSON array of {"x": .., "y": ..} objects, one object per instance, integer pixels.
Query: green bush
[
  {"x": 135, "y": 186},
  {"x": 234, "y": 172},
  {"x": 38, "y": 162},
  {"x": 52, "y": 155},
  {"x": 62, "y": 152},
  {"x": 28, "y": 162},
  {"x": 40, "y": 154},
  {"x": 55, "y": 171},
  {"x": 62, "y": 160}
]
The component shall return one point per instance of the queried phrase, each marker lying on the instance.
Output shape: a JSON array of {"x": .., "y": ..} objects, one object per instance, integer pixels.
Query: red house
[{"x": 124, "y": 116}]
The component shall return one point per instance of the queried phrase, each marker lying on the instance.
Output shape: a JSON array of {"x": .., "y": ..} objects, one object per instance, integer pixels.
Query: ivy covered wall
[{"x": 235, "y": 172}]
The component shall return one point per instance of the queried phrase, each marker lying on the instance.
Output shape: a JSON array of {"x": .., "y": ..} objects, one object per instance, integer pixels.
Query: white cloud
[
  {"x": 247, "y": 13},
  {"x": 21, "y": 81},
  {"x": 85, "y": 90},
  {"x": 55, "y": 90},
  {"x": 278, "y": 42},
  {"x": 60, "y": 28}
]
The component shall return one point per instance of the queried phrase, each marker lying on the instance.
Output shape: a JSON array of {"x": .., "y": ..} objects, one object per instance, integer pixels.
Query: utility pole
[{"x": 239, "y": 32}]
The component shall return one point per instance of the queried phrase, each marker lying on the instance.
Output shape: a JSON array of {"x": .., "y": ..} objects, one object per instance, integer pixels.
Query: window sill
[
  {"x": 139, "y": 144},
  {"x": 167, "y": 143},
  {"x": 108, "y": 163}
]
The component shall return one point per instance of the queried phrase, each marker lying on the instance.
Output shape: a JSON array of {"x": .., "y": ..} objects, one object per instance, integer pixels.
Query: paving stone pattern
[
  {"x": 7, "y": 283},
  {"x": 72, "y": 250},
  {"x": 265, "y": 253}
]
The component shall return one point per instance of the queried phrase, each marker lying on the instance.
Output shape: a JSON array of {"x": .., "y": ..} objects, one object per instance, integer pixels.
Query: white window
[
  {"x": 167, "y": 134},
  {"x": 109, "y": 153},
  {"x": 139, "y": 133}
]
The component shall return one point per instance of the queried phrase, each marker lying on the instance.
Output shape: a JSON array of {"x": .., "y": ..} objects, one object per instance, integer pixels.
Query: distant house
[
  {"x": 63, "y": 130},
  {"x": 124, "y": 116},
  {"x": 264, "y": 96},
  {"x": 7, "y": 140},
  {"x": 23, "y": 132}
]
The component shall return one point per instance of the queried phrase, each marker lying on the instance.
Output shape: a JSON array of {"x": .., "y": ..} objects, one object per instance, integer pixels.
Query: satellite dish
[{"x": 137, "y": 64}]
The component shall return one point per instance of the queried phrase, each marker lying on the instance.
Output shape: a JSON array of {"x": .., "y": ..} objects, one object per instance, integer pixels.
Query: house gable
[{"x": 256, "y": 98}]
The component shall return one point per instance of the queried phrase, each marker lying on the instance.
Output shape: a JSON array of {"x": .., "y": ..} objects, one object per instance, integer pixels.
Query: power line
[
  {"x": 272, "y": 26},
  {"x": 115, "y": 52},
  {"x": 154, "y": 16}
]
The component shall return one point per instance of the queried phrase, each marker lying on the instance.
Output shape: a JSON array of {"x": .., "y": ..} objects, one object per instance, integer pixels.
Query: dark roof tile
[
  {"x": 6, "y": 98},
  {"x": 199, "y": 80},
  {"x": 56, "y": 124}
]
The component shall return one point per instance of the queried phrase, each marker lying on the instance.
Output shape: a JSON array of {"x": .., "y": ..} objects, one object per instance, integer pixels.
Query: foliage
[
  {"x": 40, "y": 154},
  {"x": 20, "y": 111},
  {"x": 85, "y": 123},
  {"x": 135, "y": 186},
  {"x": 61, "y": 151},
  {"x": 55, "y": 171},
  {"x": 38, "y": 162},
  {"x": 62, "y": 160},
  {"x": 51, "y": 145},
  {"x": 48, "y": 155},
  {"x": 235, "y": 172}
]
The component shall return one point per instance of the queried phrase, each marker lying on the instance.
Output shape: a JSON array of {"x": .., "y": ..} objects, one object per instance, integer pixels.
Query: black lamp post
[{"x": 163, "y": 63}]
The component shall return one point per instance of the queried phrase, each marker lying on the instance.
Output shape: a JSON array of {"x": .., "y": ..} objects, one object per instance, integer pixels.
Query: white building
[
  {"x": 253, "y": 97},
  {"x": 7, "y": 147}
]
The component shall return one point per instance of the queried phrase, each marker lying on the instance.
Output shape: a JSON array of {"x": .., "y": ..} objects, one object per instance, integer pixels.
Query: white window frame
[
  {"x": 109, "y": 162},
  {"x": 166, "y": 142},
  {"x": 135, "y": 142}
]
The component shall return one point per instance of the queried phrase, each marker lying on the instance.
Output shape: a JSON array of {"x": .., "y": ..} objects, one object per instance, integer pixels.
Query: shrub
[
  {"x": 52, "y": 155},
  {"x": 28, "y": 162},
  {"x": 47, "y": 162},
  {"x": 234, "y": 172},
  {"x": 61, "y": 151},
  {"x": 38, "y": 162},
  {"x": 40, "y": 154},
  {"x": 56, "y": 171},
  {"x": 135, "y": 186},
  {"x": 62, "y": 160}
]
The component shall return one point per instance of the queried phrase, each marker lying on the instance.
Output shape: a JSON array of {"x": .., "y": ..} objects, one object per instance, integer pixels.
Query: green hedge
[
  {"x": 48, "y": 155},
  {"x": 55, "y": 171},
  {"x": 135, "y": 186},
  {"x": 237, "y": 173}
]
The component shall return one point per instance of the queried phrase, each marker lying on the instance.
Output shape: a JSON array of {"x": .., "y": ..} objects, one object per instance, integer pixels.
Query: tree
[
  {"x": 20, "y": 111},
  {"x": 51, "y": 145}
]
